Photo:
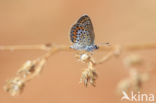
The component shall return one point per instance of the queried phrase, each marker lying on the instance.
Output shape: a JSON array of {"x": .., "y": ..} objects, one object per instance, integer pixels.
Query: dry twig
[{"x": 32, "y": 68}]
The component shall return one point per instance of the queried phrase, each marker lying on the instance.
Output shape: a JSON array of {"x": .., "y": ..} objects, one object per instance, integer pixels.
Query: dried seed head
[
  {"x": 84, "y": 57},
  {"x": 133, "y": 60},
  {"x": 135, "y": 79},
  {"x": 26, "y": 69},
  {"x": 14, "y": 86},
  {"x": 123, "y": 85},
  {"x": 88, "y": 76},
  {"x": 138, "y": 78}
]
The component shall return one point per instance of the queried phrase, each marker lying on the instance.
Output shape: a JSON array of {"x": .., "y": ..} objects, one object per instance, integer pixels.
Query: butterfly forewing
[
  {"x": 82, "y": 32},
  {"x": 86, "y": 21},
  {"x": 80, "y": 35}
]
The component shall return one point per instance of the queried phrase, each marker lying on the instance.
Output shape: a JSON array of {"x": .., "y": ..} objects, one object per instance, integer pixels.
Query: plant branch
[
  {"x": 66, "y": 47},
  {"x": 32, "y": 68}
]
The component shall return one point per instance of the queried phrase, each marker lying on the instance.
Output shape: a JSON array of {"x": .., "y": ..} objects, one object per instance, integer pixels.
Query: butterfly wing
[
  {"x": 86, "y": 21},
  {"x": 80, "y": 35},
  {"x": 82, "y": 32}
]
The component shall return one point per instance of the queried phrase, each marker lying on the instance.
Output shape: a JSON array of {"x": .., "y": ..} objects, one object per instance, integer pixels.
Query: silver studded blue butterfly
[{"x": 82, "y": 34}]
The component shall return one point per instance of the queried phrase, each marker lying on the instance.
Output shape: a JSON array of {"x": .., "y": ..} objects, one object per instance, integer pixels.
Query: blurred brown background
[{"x": 36, "y": 22}]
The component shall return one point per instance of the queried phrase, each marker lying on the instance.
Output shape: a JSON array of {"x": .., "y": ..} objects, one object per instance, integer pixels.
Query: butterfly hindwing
[
  {"x": 79, "y": 34},
  {"x": 86, "y": 21},
  {"x": 82, "y": 34}
]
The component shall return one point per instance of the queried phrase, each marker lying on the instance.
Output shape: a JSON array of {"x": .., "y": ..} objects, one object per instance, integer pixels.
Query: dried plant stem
[
  {"x": 66, "y": 48},
  {"x": 32, "y": 68},
  {"x": 105, "y": 58},
  {"x": 24, "y": 47},
  {"x": 140, "y": 46}
]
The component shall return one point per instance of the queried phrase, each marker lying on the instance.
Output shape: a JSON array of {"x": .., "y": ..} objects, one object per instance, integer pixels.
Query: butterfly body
[{"x": 82, "y": 35}]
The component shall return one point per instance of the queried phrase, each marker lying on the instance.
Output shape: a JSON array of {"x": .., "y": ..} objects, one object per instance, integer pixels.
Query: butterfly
[{"x": 82, "y": 34}]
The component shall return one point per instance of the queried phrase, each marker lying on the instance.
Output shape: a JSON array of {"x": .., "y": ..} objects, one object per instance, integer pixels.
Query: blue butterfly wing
[
  {"x": 82, "y": 32},
  {"x": 86, "y": 21}
]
